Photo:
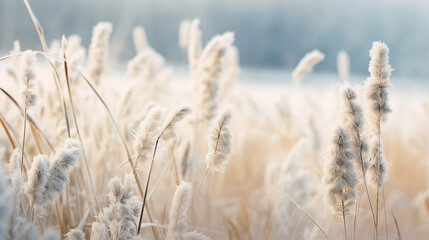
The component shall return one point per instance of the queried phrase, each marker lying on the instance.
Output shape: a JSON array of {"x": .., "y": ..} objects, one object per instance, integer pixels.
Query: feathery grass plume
[
  {"x": 60, "y": 162},
  {"x": 14, "y": 163},
  {"x": 123, "y": 225},
  {"x": 376, "y": 86},
  {"x": 340, "y": 175},
  {"x": 27, "y": 77},
  {"x": 377, "y": 176},
  {"x": 29, "y": 97},
  {"x": 75, "y": 234},
  {"x": 121, "y": 193},
  {"x": 378, "y": 108},
  {"x": 38, "y": 176},
  {"x": 194, "y": 44},
  {"x": 206, "y": 100},
  {"x": 167, "y": 131},
  {"x": 147, "y": 63},
  {"x": 179, "y": 212},
  {"x": 140, "y": 40},
  {"x": 343, "y": 65},
  {"x": 118, "y": 220},
  {"x": 145, "y": 134},
  {"x": 210, "y": 63},
  {"x": 5, "y": 203},
  {"x": 353, "y": 122},
  {"x": 306, "y": 65},
  {"x": 209, "y": 71},
  {"x": 98, "y": 50},
  {"x": 184, "y": 32},
  {"x": 220, "y": 143},
  {"x": 16, "y": 176}
]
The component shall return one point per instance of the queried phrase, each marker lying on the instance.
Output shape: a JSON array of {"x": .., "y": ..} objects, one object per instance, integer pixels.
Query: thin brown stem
[
  {"x": 385, "y": 214},
  {"x": 14, "y": 135},
  {"x": 7, "y": 133},
  {"x": 377, "y": 162},
  {"x": 147, "y": 184},
  {"x": 356, "y": 215},
  {"x": 29, "y": 118},
  {"x": 369, "y": 198},
  {"x": 80, "y": 138},
  {"x": 306, "y": 213},
  {"x": 344, "y": 220},
  {"x": 397, "y": 226},
  {"x": 376, "y": 212},
  {"x": 54, "y": 71},
  {"x": 364, "y": 178},
  {"x": 36, "y": 138}
]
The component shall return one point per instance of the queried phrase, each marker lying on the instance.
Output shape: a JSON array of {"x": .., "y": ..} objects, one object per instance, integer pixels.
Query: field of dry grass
[{"x": 212, "y": 157}]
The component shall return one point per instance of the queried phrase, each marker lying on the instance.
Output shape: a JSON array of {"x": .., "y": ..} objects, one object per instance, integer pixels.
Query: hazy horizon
[{"x": 269, "y": 34}]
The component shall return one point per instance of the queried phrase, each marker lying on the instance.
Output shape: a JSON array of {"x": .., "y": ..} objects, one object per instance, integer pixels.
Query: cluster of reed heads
[{"x": 145, "y": 157}]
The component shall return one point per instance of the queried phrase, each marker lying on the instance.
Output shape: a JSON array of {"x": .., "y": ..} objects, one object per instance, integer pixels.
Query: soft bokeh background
[
  {"x": 282, "y": 133},
  {"x": 269, "y": 34}
]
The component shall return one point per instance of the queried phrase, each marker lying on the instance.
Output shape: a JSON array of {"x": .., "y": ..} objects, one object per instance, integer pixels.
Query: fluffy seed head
[
  {"x": 179, "y": 211},
  {"x": 120, "y": 193},
  {"x": 340, "y": 175},
  {"x": 146, "y": 132},
  {"x": 377, "y": 175},
  {"x": 147, "y": 63},
  {"x": 306, "y": 65},
  {"x": 27, "y": 77},
  {"x": 167, "y": 130},
  {"x": 184, "y": 32},
  {"x": 37, "y": 179},
  {"x": 379, "y": 66},
  {"x": 60, "y": 162},
  {"x": 140, "y": 40},
  {"x": 206, "y": 100},
  {"x": 210, "y": 63},
  {"x": 220, "y": 143},
  {"x": 352, "y": 121},
  {"x": 376, "y": 86},
  {"x": 194, "y": 44},
  {"x": 98, "y": 50}
]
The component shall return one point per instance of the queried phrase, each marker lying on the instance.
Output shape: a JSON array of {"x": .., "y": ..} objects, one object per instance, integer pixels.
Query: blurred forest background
[{"x": 269, "y": 34}]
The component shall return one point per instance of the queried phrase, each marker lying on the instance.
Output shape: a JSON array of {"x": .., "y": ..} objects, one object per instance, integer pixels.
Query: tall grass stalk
[{"x": 94, "y": 193}]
